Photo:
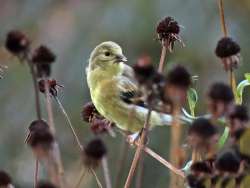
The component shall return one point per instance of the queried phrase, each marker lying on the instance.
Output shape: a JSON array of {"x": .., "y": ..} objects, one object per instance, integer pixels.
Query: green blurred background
[{"x": 72, "y": 28}]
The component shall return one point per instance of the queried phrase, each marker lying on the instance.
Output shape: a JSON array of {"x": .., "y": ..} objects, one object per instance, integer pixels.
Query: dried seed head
[
  {"x": 227, "y": 47},
  {"x": 99, "y": 125},
  {"x": 177, "y": 82},
  {"x": 44, "y": 184},
  {"x": 201, "y": 167},
  {"x": 43, "y": 55},
  {"x": 94, "y": 151},
  {"x": 220, "y": 92},
  {"x": 194, "y": 181},
  {"x": 220, "y": 100},
  {"x": 42, "y": 58},
  {"x": 179, "y": 77},
  {"x": 5, "y": 179},
  {"x": 88, "y": 112},
  {"x": 239, "y": 112},
  {"x": 229, "y": 52},
  {"x": 203, "y": 128},
  {"x": 202, "y": 135},
  {"x": 52, "y": 84},
  {"x": 17, "y": 42},
  {"x": 144, "y": 70},
  {"x": 168, "y": 32},
  {"x": 41, "y": 137},
  {"x": 37, "y": 125},
  {"x": 228, "y": 161}
]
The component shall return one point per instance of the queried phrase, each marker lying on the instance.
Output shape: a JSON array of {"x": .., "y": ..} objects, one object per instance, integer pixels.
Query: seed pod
[
  {"x": 202, "y": 135},
  {"x": 42, "y": 58},
  {"x": 5, "y": 180},
  {"x": 168, "y": 32},
  {"x": 93, "y": 153},
  {"x": 220, "y": 99},
  {"x": 229, "y": 52},
  {"x": 17, "y": 43},
  {"x": 177, "y": 84},
  {"x": 228, "y": 161}
]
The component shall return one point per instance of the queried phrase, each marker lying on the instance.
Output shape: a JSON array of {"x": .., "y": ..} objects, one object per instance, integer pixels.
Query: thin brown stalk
[
  {"x": 38, "y": 108},
  {"x": 222, "y": 17},
  {"x": 106, "y": 172},
  {"x": 121, "y": 162},
  {"x": 96, "y": 178},
  {"x": 163, "y": 57},
  {"x": 138, "y": 151},
  {"x": 175, "y": 144},
  {"x": 36, "y": 173},
  {"x": 70, "y": 124},
  {"x": 139, "y": 175},
  {"x": 82, "y": 174},
  {"x": 57, "y": 158}
]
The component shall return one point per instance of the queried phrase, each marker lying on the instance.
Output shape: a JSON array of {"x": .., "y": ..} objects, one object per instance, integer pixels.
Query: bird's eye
[{"x": 107, "y": 54}]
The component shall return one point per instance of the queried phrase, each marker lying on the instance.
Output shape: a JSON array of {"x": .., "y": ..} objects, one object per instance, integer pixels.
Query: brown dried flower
[
  {"x": 17, "y": 43},
  {"x": 168, "y": 32},
  {"x": 94, "y": 151},
  {"x": 53, "y": 86},
  {"x": 229, "y": 52}
]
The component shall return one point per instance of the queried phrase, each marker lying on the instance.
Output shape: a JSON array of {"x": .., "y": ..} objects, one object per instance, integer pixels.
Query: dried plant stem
[
  {"x": 36, "y": 173},
  {"x": 96, "y": 178},
  {"x": 222, "y": 17},
  {"x": 163, "y": 57},
  {"x": 57, "y": 158},
  {"x": 106, "y": 172},
  {"x": 82, "y": 174},
  {"x": 38, "y": 109},
  {"x": 161, "y": 160},
  {"x": 69, "y": 122},
  {"x": 138, "y": 150},
  {"x": 139, "y": 175},
  {"x": 175, "y": 144},
  {"x": 121, "y": 162}
]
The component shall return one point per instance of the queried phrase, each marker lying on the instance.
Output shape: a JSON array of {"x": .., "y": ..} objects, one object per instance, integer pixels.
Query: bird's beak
[{"x": 121, "y": 58}]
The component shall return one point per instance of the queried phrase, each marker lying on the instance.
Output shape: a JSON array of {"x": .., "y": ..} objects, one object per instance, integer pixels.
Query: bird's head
[{"x": 106, "y": 55}]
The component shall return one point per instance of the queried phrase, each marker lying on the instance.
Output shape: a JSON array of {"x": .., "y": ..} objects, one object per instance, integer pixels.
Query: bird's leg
[{"x": 133, "y": 138}]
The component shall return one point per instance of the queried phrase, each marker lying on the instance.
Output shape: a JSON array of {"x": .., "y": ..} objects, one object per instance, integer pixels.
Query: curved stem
[
  {"x": 82, "y": 174},
  {"x": 138, "y": 150},
  {"x": 222, "y": 17},
  {"x": 69, "y": 122},
  {"x": 162, "y": 59}
]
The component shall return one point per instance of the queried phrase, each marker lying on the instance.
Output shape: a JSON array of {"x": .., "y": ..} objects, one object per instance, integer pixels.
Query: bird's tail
[{"x": 161, "y": 119}]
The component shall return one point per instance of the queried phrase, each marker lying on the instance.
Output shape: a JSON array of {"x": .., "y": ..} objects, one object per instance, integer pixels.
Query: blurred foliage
[{"x": 72, "y": 28}]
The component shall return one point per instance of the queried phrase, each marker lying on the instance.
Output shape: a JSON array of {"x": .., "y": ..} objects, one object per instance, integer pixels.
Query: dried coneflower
[
  {"x": 144, "y": 70},
  {"x": 17, "y": 43},
  {"x": 200, "y": 168},
  {"x": 40, "y": 139},
  {"x": 168, "y": 32},
  {"x": 5, "y": 180},
  {"x": 177, "y": 84},
  {"x": 42, "y": 58},
  {"x": 238, "y": 118},
  {"x": 220, "y": 99},
  {"x": 88, "y": 112},
  {"x": 229, "y": 52},
  {"x": 52, "y": 84},
  {"x": 202, "y": 136},
  {"x": 228, "y": 162},
  {"x": 93, "y": 153},
  {"x": 45, "y": 184}
]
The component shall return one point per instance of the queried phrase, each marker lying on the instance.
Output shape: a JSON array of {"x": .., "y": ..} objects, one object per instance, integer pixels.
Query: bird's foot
[{"x": 135, "y": 137}]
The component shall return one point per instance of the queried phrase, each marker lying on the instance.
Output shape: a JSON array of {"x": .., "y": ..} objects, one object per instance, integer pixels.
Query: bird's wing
[
  {"x": 128, "y": 72},
  {"x": 129, "y": 92}
]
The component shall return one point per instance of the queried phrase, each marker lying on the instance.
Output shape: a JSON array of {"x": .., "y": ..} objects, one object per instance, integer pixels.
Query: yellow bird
[{"x": 112, "y": 84}]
